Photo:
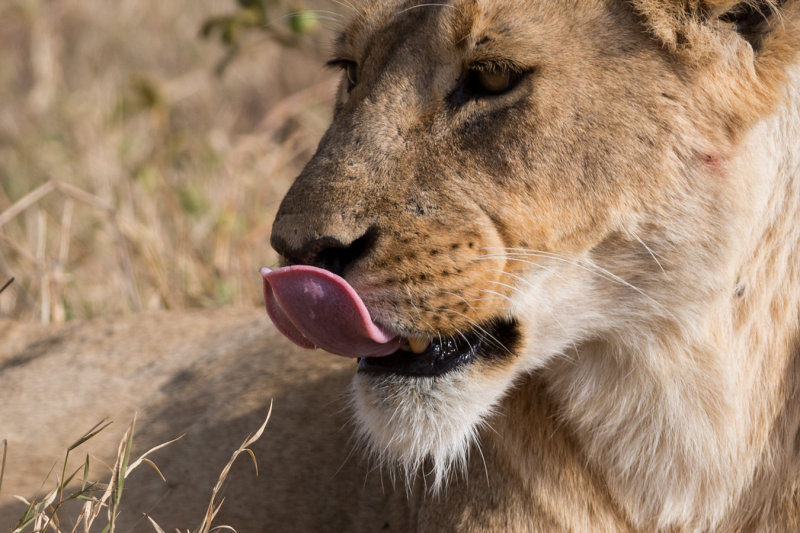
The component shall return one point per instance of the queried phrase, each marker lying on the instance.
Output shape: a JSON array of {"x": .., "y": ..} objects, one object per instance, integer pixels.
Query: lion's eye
[
  {"x": 485, "y": 81},
  {"x": 351, "y": 71},
  {"x": 494, "y": 81}
]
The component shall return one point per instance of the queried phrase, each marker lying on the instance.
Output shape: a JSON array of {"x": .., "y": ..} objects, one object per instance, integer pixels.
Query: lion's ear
[
  {"x": 753, "y": 20},
  {"x": 691, "y": 24},
  {"x": 737, "y": 52}
]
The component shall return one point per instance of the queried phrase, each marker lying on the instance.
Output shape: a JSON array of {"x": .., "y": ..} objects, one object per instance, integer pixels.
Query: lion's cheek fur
[{"x": 696, "y": 394}]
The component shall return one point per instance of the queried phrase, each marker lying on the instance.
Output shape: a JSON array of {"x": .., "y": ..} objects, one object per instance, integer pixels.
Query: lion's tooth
[
  {"x": 418, "y": 345},
  {"x": 405, "y": 347}
]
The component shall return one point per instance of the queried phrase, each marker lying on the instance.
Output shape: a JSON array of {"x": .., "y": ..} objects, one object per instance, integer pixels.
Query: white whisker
[
  {"x": 588, "y": 267},
  {"x": 347, "y": 5},
  {"x": 652, "y": 254},
  {"x": 424, "y": 5},
  {"x": 482, "y": 333},
  {"x": 483, "y": 460}
]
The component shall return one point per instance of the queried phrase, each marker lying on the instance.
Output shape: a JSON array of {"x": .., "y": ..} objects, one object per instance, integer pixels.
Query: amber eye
[
  {"x": 486, "y": 81},
  {"x": 494, "y": 81}
]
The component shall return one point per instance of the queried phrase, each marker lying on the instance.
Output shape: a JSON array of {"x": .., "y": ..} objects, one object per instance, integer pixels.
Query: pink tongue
[{"x": 316, "y": 308}]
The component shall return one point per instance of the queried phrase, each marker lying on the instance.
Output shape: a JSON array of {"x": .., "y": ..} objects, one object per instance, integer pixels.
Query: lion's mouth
[
  {"x": 494, "y": 340},
  {"x": 316, "y": 308}
]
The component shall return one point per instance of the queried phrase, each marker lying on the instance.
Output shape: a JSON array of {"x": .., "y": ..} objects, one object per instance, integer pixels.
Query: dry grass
[
  {"x": 131, "y": 176},
  {"x": 103, "y": 500}
]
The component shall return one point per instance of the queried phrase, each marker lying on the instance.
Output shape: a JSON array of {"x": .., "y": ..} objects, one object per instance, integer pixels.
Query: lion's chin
[{"x": 406, "y": 420}]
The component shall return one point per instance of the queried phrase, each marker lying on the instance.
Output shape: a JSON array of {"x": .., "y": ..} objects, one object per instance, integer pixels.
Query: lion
[{"x": 558, "y": 241}]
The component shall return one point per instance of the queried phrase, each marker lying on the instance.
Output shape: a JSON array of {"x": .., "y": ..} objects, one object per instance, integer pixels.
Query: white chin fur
[{"x": 405, "y": 421}]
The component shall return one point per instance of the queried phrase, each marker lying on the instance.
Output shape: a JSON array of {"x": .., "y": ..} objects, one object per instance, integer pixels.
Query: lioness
[{"x": 572, "y": 226}]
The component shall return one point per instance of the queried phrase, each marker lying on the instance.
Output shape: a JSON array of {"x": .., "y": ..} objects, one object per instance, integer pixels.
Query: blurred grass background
[{"x": 145, "y": 146}]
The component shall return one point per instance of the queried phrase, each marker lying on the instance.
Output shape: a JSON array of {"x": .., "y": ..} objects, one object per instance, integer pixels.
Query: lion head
[{"x": 557, "y": 187}]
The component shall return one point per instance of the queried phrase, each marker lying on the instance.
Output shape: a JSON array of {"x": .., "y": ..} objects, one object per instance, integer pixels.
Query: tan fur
[{"x": 634, "y": 205}]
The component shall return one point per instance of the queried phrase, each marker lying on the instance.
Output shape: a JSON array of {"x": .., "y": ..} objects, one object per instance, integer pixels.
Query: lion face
[{"x": 504, "y": 182}]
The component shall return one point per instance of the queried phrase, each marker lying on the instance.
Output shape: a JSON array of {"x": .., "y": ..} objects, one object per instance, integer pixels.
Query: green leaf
[
  {"x": 4, "y": 287},
  {"x": 85, "y": 479},
  {"x": 3, "y": 463},
  {"x": 97, "y": 428},
  {"x": 123, "y": 468}
]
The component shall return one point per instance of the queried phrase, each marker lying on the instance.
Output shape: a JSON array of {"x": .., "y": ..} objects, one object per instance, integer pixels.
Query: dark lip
[{"x": 493, "y": 340}]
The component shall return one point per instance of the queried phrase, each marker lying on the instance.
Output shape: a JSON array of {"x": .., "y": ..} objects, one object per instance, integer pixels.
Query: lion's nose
[{"x": 326, "y": 252}]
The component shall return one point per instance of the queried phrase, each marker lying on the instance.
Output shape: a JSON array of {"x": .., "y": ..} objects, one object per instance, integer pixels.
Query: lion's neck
[{"x": 687, "y": 432}]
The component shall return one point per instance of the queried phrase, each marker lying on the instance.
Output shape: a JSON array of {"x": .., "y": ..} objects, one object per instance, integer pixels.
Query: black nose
[{"x": 326, "y": 252}]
